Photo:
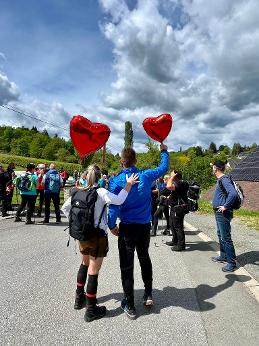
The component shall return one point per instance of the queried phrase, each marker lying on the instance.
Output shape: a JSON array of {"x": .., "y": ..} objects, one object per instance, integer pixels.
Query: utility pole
[{"x": 104, "y": 154}]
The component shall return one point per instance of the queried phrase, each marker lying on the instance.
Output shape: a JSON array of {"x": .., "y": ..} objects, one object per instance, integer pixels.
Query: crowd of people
[
  {"x": 138, "y": 198},
  {"x": 42, "y": 182}
]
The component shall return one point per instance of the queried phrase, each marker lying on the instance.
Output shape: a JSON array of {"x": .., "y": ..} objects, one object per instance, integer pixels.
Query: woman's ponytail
[{"x": 93, "y": 175}]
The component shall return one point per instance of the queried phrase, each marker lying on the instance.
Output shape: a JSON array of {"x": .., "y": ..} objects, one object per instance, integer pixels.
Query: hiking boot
[
  {"x": 229, "y": 268},
  {"x": 80, "y": 301},
  {"x": 219, "y": 259},
  {"x": 29, "y": 222},
  {"x": 17, "y": 219},
  {"x": 170, "y": 243},
  {"x": 94, "y": 313},
  {"x": 166, "y": 232},
  {"x": 153, "y": 233},
  {"x": 5, "y": 214},
  {"x": 130, "y": 311},
  {"x": 178, "y": 248},
  {"x": 148, "y": 300}
]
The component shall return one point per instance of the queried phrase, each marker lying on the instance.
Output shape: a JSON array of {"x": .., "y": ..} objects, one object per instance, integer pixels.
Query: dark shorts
[{"x": 95, "y": 247}]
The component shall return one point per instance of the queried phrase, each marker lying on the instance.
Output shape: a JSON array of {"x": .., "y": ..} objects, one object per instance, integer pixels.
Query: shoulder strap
[
  {"x": 222, "y": 187},
  {"x": 101, "y": 215}
]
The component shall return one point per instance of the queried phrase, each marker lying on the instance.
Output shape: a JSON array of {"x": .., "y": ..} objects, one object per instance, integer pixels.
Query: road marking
[{"x": 251, "y": 284}]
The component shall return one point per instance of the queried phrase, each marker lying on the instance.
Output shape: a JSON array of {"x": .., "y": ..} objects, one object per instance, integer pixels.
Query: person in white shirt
[{"x": 95, "y": 249}]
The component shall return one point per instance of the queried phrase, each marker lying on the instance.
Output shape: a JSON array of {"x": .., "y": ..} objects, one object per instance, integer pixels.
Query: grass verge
[{"x": 248, "y": 217}]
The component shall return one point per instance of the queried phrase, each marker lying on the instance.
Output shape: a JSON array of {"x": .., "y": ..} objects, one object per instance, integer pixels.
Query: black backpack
[
  {"x": 193, "y": 195},
  {"x": 189, "y": 201},
  {"x": 239, "y": 193},
  {"x": 81, "y": 216}
]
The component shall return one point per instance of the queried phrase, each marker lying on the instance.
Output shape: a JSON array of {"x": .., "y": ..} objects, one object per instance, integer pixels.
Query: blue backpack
[
  {"x": 54, "y": 182},
  {"x": 24, "y": 183}
]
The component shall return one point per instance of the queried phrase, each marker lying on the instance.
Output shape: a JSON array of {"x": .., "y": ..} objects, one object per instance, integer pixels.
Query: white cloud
[
  {"x": 195, "y": 59},
  {"x": 200, "y": 64},
  {"x": 8, "y": 90}
]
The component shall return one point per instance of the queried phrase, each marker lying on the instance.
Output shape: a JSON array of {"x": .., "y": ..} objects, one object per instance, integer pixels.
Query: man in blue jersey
[
  {"x": 223, "y": 199},
  {"x": 134, "y": 228}
]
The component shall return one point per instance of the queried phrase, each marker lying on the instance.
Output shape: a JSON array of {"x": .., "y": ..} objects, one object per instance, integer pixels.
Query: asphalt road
[{"x": 195, "y": 302}]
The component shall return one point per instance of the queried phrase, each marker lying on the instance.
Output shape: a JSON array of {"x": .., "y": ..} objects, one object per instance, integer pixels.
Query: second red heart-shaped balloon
[
  {"x": 87, "y": 137},
  {"x": 159, "y": 127}
]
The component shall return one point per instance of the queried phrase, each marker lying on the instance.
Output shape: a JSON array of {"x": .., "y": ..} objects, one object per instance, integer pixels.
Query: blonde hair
[{"x": 93, "y": 174}]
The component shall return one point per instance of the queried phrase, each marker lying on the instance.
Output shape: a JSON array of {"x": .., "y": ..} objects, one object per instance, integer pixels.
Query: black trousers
[
  {"x": 9, "y": 199},
  {"x": 177, "y": 229},
  {"x": 4, "y": 204},
  {"x": 153, "y": 209},
  {"x": 131, "y": 237},
  {"x": 56, "y": 201},
  {"x": 41, "y": 193},
  {"x": 162, "y": 209},
  {"x": 30, "y": 201}
]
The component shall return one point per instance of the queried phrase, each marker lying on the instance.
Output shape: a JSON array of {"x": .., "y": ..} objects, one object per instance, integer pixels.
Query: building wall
[{"x": 251, "y": 192}]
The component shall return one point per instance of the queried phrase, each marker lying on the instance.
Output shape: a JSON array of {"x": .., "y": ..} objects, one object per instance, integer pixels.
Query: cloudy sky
[{"x": 119, "y": 60}]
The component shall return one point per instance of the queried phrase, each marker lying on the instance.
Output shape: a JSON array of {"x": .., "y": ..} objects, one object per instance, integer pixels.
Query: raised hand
[{"x": 133, "y": 179}]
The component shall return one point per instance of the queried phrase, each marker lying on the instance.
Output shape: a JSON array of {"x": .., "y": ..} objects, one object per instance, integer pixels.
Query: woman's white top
[{"x": 104, "y": 197}]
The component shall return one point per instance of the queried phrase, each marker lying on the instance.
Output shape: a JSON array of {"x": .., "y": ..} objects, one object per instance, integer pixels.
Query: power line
[{"x": 31, "y": 116}]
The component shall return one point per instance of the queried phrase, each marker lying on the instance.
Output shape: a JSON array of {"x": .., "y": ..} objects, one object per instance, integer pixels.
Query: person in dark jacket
[
  {"x": 4, "y": 178},
  {"x": 163, "y": 208},
  {"x": 134, "y": 228},
  {"x": 28, "y": 194},
  {"x": 176, "y": 200},
  {"x": 222, "y": 205}
]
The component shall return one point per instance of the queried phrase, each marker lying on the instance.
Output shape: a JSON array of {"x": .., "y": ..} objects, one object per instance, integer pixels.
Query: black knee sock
[
  {"x": 81, "y": 278},
  {"x": 91, "y": 290}
]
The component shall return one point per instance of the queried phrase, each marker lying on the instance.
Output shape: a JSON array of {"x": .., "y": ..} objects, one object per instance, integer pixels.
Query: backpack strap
[
  {"x": 221, "y": 186},
  {"x": 101, "y": 215}
]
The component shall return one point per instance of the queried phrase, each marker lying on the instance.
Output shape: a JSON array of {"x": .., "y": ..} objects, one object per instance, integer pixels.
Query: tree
[
  {"x": 62, "y": 155},
  {"x": 20, "y": 146},
  {"x": 212, "y": 148},
  {"x": 49, "y": 152},
  {"x": 128, "y": 139},
  {"x": 45, "y": 132},
  {"x": 150, "y": 159},
  {"x": 237, "y": 149}
]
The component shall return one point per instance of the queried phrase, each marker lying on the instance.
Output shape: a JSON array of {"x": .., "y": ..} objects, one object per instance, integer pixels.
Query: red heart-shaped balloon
[
  {"x": 87, "y": 137},
  {"x": 159, "y": 127}
]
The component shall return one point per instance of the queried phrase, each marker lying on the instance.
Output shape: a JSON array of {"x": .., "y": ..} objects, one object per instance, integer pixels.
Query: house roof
[{"x": 248, "y": 168}]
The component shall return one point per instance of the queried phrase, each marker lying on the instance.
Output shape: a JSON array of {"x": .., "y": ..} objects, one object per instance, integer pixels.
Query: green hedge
[{"x": 23, "y": 162}]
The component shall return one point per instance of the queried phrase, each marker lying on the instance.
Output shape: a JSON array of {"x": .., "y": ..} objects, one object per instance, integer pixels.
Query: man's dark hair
[
  {"x": 220, "y": 165},
  {"x": 128, "y": 156},
  {"x": 30, "y": 166},
  {"x": 178, "y": 175}
]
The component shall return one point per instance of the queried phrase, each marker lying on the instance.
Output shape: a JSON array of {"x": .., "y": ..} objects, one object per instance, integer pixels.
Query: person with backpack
[
  {"x": 26, "y": 183},
  {"x": 134, "y": 229},
  {"x": 52, "y": 184},
  {"x": 178, "y": 202},
  {"x": 86, "y": 210},
  {"x": 223, "y": 201}
]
